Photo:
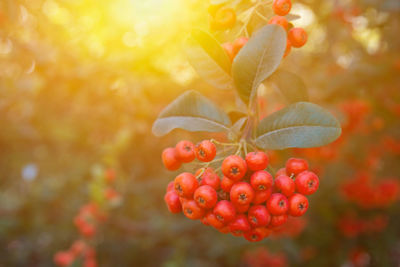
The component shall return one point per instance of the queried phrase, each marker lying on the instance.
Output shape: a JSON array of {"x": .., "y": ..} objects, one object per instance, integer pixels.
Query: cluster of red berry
[
  {"x": 247, "y": 201},
  {"x": 78, "y": 249},
  {"x": 351, "y": 225},
  {"x": 296, "y": 37},
  {"x": 262, "y": 257},
  {"x": 89, "y": 217},
  {"x": 364, "y": 193}
]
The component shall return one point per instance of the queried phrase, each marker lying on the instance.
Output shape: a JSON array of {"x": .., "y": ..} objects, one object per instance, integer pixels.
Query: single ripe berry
[
  {"x": 295, "y": 166},
  {"x": 209, "y": 177},
  {"x": 226, "y": 184},
  {"x": 229, "y": 50},
  {"x": 206, "y": 151},
  {"x": 192, "y": 210},
  {"x": 185, "y": 151},
  {"x": 213, "y": 221},
  {"x": 288, "y": 48},
  {"x": 224, "y": 211},
  {"x": 63, "y": 258},
  {"x": 256, "y": 234},
  {"x": 277, "y": 204},
  {"x": 241, "y": 193},
  {"x": 261, "y": 180},
  {"x": 257, "y": 161},
  {"x": 278, "y": 220},
  {"x": 259, "y": 216},
  {"x": 307, "y": 183},
  {"x": 239, "y": 225},
  {"x": 239, "y": 43},
  {"x": 262, "y": 196},
  {"x": 241, "y": 208},
  {"x": 298, "y": 205},
  {"x": 224, "y": 18},
  {"x": 278, "y": 20},
  {"x": 205, "y": 197},
  {"x": 171, "y": 198},
  {"x": 234, "y": 167},
  {"x": 297, "y": 37},
  {"x": 285, "y": 185},
  {"x": 281, "y": 7},
  {"x": 185, "y": 184},
  {"x": 170, "y": 159}
]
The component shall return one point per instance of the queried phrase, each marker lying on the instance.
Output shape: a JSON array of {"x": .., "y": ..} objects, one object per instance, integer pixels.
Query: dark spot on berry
[
  {"x": 242, "y": 196},
  {"x": 235, "y": 170},
  {"x": 281, "y": 203},
  {"x": 261, "y": 187},
  {"x": 254, "y": 219},
  {"x": 220, "y": 218},
  {"x": 189, "y": 211},
  {"x": 201, "y": 200},
  {"x": 178, "y": 187}
]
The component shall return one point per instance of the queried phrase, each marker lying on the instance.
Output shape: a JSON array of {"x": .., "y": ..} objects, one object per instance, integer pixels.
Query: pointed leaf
[
  {"x": 290, "y": 85},
  {"x": 209, "y": 59},
  {"x": 192, "y": 112},
  {"x": 300, "y": 125},
  {"x": 258, "y": 59}
]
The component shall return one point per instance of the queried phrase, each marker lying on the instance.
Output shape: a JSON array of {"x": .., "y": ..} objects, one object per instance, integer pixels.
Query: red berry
[
  {"x": 185, "y": 184},
  {"x": 206, "y": 197},
  {"x": 277, "y": 204},
  {"x": 297, "y": 37},
  {"x": 234, "y": 167},
  {"x": 281, "y": 7},
  {"x": 277, "y": 220},
  {"x": 295, "y": 166},
  {"x": 307, "y": 183},
  {"x": 170, "y": 159},
  {"x": 261, "y": 180},
  {"x": 170, "y": 186},
  {"x": 298, "y": 205},
  {"x": 242, "y": 208},
  {"x": 239, "y": 225},
  {"x": 110, "y": 175},
  {"x": 262, "y": 196},
  {"x": 242, "y": 193},
  {"x": 78, "y": 247},
  {"x": 259, "y": 216},
  {"x": 281, "y": 171},
  {"x": 90, "y": 262},
  {"x": 256, "y": 234},
  {"x": 224, "y": 211},
  {"x": 204, "y": 221},
  {"x": 239, "y": 43},
  {"x": 185, "y": 151},
  {"x": 285, "y": 185},
  {"x": 278, "y": 20},
  {"x": 229, "y": 50},
  {"x": 63, "y": 258},
  {"x": 213, "y": 221},
  {"x": 192, "y": 210},
  {"x": 171, "y": 198},
  {"x": 226, "y": 184},
  {"x": 288, "y": 48},
  {"x": 224, "y": 18},
  {"x": 224, "y": 229},
  {"x": 206, "y": 151},
  {"x": 257, "y": 161},
  {"x": 209, "y": 177}
]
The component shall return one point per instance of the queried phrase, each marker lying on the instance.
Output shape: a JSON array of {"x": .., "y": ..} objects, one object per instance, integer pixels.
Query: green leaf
[
  {"x": 258, "y": 59},
  {"x": 209, "y": 59},
  {"x": 300, "y": 125},
  {"x": 290, "y": 85},
  {"x": 192, "y": 112}
]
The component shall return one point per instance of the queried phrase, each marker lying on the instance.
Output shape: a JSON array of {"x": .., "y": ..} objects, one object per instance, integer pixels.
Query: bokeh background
[{"x": 81, "y": 83}]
